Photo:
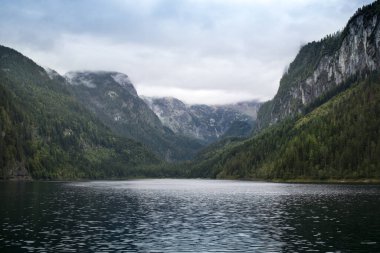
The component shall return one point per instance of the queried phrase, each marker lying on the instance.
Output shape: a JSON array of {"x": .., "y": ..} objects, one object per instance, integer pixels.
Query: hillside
[
  {"x": 338, "y": 140},
  {"x": 323, "y": 66},
  {"x": 114, "y": 101},
  {"x": 323, "y": 123},
  {"x": 47, "y": 134}
]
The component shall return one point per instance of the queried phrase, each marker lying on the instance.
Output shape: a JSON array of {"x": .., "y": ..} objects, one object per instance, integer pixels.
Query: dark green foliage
[
  {"x": 336, "y": 136},
  {"x": 338, "y": 140},
  {"x": 239, "y": 129},
  {"x": 46, "y": 133},
  {"x": 52, "y": 136},
  {"x": 207, "y": 163},
  {"x": 15, "y": 137}
]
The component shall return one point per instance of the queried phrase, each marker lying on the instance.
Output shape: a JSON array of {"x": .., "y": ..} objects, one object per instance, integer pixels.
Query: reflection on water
[{"x": 188, "y": 216}]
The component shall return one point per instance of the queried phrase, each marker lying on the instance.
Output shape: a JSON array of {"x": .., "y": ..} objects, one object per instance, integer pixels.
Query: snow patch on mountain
[
  {"x": 112, "y": 94},
  {"x": 121, "y": 79},
  {"x": 79, "y": 78},
  {"x": 124, "y": 81},
  {"x": 52, "y": 74},
  {"x": 202, "y": 122}
]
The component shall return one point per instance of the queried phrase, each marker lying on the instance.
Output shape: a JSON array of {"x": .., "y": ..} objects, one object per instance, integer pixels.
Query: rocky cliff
[
  {"x": 112, "y": 95},
  {"x": 113, "y": 99},
  {"x": 204, "y": 122},
  {"x": 322, "y": 66}
]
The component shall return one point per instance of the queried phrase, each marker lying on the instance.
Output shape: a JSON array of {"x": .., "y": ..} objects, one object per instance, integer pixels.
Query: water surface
[{"x": 166, "y": 215}]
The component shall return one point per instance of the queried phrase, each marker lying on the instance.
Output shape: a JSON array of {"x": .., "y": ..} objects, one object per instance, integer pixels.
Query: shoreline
[
  {"x": 328, "y": 181},
  {"x": 366, "y": 181}
]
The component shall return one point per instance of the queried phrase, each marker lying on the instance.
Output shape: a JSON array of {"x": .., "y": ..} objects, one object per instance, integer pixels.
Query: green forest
[
  {"x": 46, "y": 132},
  {"x": 339, "y": 139}
]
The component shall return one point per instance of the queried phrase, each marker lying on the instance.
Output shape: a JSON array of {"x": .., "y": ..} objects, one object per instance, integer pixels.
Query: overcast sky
[{"x": 200, "y": 51}]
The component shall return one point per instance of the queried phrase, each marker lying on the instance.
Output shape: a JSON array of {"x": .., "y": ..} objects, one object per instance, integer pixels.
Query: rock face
[
  {"x": 322, "y": 66},
  {"x": 203, "y": 122},
  {"x": 173, "y": 130},
  {"x": 113, "y": 99},
  {"x": 112, "y": 95}
]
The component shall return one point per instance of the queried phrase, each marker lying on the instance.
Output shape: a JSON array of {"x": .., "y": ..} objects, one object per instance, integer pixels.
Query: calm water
[{"x": 188, "y": 216}]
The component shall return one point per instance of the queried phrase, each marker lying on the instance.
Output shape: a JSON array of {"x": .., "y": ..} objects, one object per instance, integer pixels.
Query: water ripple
[{"x": 188, "y": 216}]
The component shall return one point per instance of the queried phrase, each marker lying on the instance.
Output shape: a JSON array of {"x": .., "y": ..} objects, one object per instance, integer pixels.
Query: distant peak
[
  {"x": 52, "y": 73},
  {"x": 92, "y": 79},
  {"x": 121, "y": 79},
  {"x": 172, "y": 101},
  {"x": 79, "y": 78}
]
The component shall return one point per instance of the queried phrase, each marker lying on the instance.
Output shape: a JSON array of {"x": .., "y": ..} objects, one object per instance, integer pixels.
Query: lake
[{"x": 172, "y": 215}]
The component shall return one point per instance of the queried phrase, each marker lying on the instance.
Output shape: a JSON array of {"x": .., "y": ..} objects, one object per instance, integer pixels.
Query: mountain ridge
[
  {"x": 204, "y": 122},
  {"x": 323, "y": 122},
  {"x": 53, "y": 136},
  {"x": 322, "y": 66},
  {"x": 112, "y": 97}
]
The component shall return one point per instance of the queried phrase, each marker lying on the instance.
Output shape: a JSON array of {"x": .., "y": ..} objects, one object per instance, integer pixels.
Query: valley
[
  {"x": 322, "y": 124},
  {"x": 190, "y": 126}
]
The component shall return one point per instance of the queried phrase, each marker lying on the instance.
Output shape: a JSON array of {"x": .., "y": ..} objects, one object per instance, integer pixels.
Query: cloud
[
  {"x": 189, "y": 49},
  {"x": 197, "y": 96}
]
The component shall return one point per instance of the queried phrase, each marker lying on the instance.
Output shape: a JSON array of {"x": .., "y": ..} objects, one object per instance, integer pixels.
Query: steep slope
[
  {"x": 113, "y": 99},
  {"x": 323, "y": 66},
  {"x": 15, "y": 134},
  {"x": 46, "y": 133},
  {"x": 338, "y": 140},
  {"x": 323, "y": 123},
  {"x": 203, "y": 122}
]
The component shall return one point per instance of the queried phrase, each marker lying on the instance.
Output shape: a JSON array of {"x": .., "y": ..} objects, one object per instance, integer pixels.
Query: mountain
[
  {"x": 203, "y": 122},
  {"x": 47, "y": 134},
  {"x": 338, "y": 140},
  {"x": 323, "y": 123},
  {"x": 320, "y": 68},
  {"x": 113, "y": 99}
]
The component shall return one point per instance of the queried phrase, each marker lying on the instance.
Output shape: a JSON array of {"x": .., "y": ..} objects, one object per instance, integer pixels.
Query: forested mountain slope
[
  {"x": 323, "y": 66},
  {"x": 337, "y": 140},
  {"x": 113, "y": 99},
  {"x": 46, "y": 133},
  {"x": 323, "y": 122}
]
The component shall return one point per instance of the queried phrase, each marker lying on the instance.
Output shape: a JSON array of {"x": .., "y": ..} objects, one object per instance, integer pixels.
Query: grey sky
[{"x": 200, "y": 51}]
